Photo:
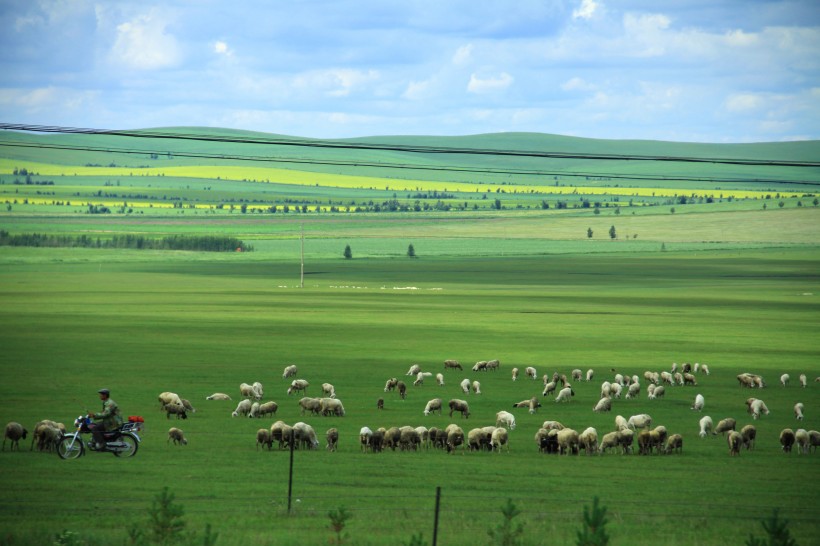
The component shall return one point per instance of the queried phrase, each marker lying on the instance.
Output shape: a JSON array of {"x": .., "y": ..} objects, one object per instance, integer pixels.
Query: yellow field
[{"x": 302, "y": 178}]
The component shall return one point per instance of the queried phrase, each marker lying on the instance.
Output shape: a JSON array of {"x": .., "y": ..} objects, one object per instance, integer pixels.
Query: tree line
[{"x": 202, "y": 243}]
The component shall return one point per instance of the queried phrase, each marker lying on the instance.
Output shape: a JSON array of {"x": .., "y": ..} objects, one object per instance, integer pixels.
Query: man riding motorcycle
[{"x": 109, "y": 417}]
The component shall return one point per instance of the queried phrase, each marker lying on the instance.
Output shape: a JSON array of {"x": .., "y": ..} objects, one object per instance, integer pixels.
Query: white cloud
[
  {"x": 490, "y": 84},
  {"x": 417, "y": 90},
  {"x": 577, "y": 84},
  {"x": 49, "y": 100},
  {"x": 143, "y": 43},
  {"x": 586, "y": 10},
  {"x": 463, "y": 54},
  {"x": 743, "y": 102},
  {"x": 740, "y": 38},
  {"x": 335, "y": 82},
  {"x": 221, "y": 48}
]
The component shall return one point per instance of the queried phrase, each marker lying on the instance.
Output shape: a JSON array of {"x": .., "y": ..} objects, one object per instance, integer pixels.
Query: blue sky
[{"x": 696, "y": 70}]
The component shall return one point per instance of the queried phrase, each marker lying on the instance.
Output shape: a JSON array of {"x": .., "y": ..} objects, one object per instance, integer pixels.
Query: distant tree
[
  {"x": 597, "y": 210},
  {"x": 781, "y": 204},
  {"x": 617, "y": 210},
  {"x": 589, "y": 232},
  {"x": 411, "y": 252},
  {"x": 244, "y": 208},
  {"x": 672, "y": 210},
  {"x": 612, "y": 233},
  {"x": 497, "y": 204},
  {"x": 815, "y": 202},
  {"x": 348, "y": 253}
]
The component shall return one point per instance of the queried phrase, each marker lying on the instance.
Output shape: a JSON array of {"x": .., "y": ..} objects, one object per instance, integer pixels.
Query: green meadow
[{"x": 727, "y": 283}]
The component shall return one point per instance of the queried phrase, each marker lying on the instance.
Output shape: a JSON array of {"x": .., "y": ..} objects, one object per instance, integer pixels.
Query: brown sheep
[
  {"x": 332, "y": 439},
  {"x": 177, "y": 436},
  {"x": 748, "y": 433},
  {"x": 787, "y": 439},
  {"x": 735, "y": 440},
  {"x": 460, "y": 406},
  {"x": 14, "y": 432},
  {"x": 454, "y": 364}
]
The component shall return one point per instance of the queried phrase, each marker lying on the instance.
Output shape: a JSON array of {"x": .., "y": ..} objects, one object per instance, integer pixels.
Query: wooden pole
[{"x": 302, "y": 256}]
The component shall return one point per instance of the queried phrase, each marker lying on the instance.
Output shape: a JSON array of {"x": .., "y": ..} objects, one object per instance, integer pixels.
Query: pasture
[{"x": 139, "y": 323}]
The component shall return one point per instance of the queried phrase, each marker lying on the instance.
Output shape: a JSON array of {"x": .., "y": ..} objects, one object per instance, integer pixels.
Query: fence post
[
  {"x": 435, "y": 522},
  {"x": 290, "y": 473}
]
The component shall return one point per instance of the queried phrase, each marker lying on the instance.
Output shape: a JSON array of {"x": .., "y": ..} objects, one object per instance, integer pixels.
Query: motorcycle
[{"x": 122, "y": 442}]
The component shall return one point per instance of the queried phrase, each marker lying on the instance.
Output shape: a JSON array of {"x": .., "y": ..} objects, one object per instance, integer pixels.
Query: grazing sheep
[
  {"x": 549, "y": 388},
  {"x": 499, "y": 438},
  {"x": 514, "y": 374},
  {"x": 260, "y": 392},
  {"x": 409, "y": 439},
  {"x": 814, "y": 439},
  {"x": 531, "y": 373},
  {"x": 254, "y": 409},
  {"x": 281, "y": 432},
  {"x": 328, "y": 390},
  {"x": 460, "y": 406},
  {"x": 455, "y": 437},
  {"x": 695, "y": 368},
  {"x": 704, "y": 368},
  {"x": 478, "y": 440},
  {"x": 625, "y": 440},
  {"x": 568, "y": 442},
  {"x": 332, "y": 439},
  {"x": 169, "y": 398},
  {"x": 609, "y": 441},
  {"x": 650, "y": 391},
  {"x": 565, "y": 394},
  {"x": 298, "y": 385},
  {"x": 248, "y": 391},
  {"x": 332, "y": 406},
  {"x": 480, "y": 366},
  {"x": 391, "y": 384},
  {"x": 177, "y": 436},
  {"x": 798, "y": 411},
  {"x": 243, "y": 408},
  {"x": 380, "y": 404},
  {"x": 803, "y": 380},
  {"x": 188, "y": 406},
  {"x": 476, "y": 387},
  {"x": 784, "y": 379},
  {"x": 46, "y": 434},
  {"x": 757, "y": 407},
  {"x": 290, "y": 371},
  {"x": 414, "y": 369},
  {"x": 440, "y": 379},
  {"x": 674, "y": 444},
  {"x": 634, "y": 390},
  {"x": 589, "y": 440},
  {"x": 705, "y": 426},
  {"x": 179, "y": 411},
  {"x": 787, "y": 439},
  {"x": 668, "y": 378},
  {"x": 553, "y": 425},
  {"x": 576, "y": 375},
  {"x": 465, "y": 386},
  {"x": 621, "y": 423},
  {"x": 432, "y": 406},
  {"x": 14, "y": 432},
  {"x": 424, "y": 434},
  {"x": 652, "y": 377},
  {"x": 505, "y": 419},
  {"x": 724, "y": 426},
  {"x": 364, "y": 438},
  {"x": 735, "y": 440},
  {"x": 606, "y": 389},
  {"x": 547, "y": 441},
  {"x": 689, "y": 379},
  {"x": 589, "y": 375},
  {"x": 377, "y": 441},
  {"x": 642, "y": 420},
  {"x": 268, "y": 408},
  {"x": 452, "y": 364},
  {"x": 305, "y": 436},
  {"x": 748, "y": 434},
  {"x": 699, "y": 402},
  {"x": 658, "y": 392},
  {"x": 313, "y": 405},
  {"x": 420, "y": 378},
  {"x": 674, "y": 367},
  {"x": 402, "y": 388},
  {"x": 746, "y": 380},
  {"x": 263, "y": 438},
  {"x": 603, "y": 405},
  {"x": 801, "y": 436},
  {"x": 218, "y": 396},
  {"x": 615, "y": 390},
  {"x": 493, "y": 365}
]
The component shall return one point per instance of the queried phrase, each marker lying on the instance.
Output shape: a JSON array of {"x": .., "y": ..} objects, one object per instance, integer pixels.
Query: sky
[{"x": 674, "y": 70}]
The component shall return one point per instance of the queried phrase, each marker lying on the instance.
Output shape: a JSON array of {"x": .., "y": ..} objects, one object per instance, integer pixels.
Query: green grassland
[{"x": 722, "y": 281}]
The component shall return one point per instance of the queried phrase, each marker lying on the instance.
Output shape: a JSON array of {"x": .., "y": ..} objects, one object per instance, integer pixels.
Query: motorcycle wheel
[
  {"x": 132, "y": 444},
  {"x": 66, "y": 450}
]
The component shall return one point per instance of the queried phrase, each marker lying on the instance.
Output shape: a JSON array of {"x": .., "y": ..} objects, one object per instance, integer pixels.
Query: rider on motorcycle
[{"x": 110, "y": 418}]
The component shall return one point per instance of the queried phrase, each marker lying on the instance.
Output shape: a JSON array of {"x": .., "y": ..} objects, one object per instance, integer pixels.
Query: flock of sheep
[{"x": 552, "y": 436}]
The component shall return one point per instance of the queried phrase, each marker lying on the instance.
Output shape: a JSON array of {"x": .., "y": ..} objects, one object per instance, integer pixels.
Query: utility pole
[{"x": 302, "y": 255}]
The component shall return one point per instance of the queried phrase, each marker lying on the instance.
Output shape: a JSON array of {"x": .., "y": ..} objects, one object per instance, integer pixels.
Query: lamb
[
  {"x": 177, "y": 436},
  {"x": 589, "y": 440},
  {"x": 305, "y": 436},
  {"x": 735, "y": 440},
  {"x": 505, "y": 419},
  {"x": 650, "y": 391},
  {"x": 263, "y": 438},
  {"x": 699, "y": 402},
  {"x": 634, "y": 390},
  {"x": 803, "y": 380},
  {"x": 243, "y": 408},
  {"x": 724, "y": 426},
  {"x": 391, "y": 384},
  {"x": 784, "y": 379},
  {"x": 461, "y": 406},
  {"x": 499, "y": 438},
  {"x": 452, "y": 364},
  {"x": 748, "y": 435},
  {"x": 298, "y": 385},
  {"x": 476, "y": 387},
  {"x": 480, "y": 366},
  {"x": 179, "y": 411},
  {"x": 440, "y": 379},
  {"x": 313, "y": 405},
  {"x": 606, "y": 389},
  {"x": 380, "y": 404},
  {"x": 641, "y": 420},
  {"x": 568, "y": 441},
  {"x": 218, "y": 396},
  {"x": 268, "y": 408},
  {"x": 328, "y": 390},
  {"x": 169, "y": 398},
  {"x": 514, "y": 374},
  {"x": 465, "y": 386},
  {"x": 531, "y": 373},
  {"x": 432, "y": 406},
  {"x": 414, "y": 369},
  {"x": 801, "y": 436},
  {"x": 787, "y": 439},
  {"x": 332, "y": 406},
  {"x": 565, "y": 394},
  {"x": 590, "y": 373},
  {"x": 332, "y": 439},
  {"x": 705, "y": 425},
  {"x": 14, "y": 432},
  {"x": 798, "y": 411},
  {"x": 674, "y": 443},
  {"x": 290, "y": 371},
  {"x": 603, "y": 405}
]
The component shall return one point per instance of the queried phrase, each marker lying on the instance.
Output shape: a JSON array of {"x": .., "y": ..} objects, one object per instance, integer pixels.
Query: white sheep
[
  {"x": 658, "y": 392},
  {"x": 642, "y": 420},
  {"x": 432, "y": 406},
  {"x": 589, "y": 440},
  {"x": 332, "y": 436},
  {"x": 699, "y": 402},
  {"x": 568, "y": 441},
  {"x": 615, "y": 390},
  {"x": 298, "y": 385},
  {"x": 424, "y": 434},
  {"x": 218, "y": 396},
  {"x": 801, "y": 436},
  {"x": 420, "y": 378},
  {"x": 674, "y": 443},
  {"x": 177, "y": 436},
  {"x": 634, "y": 390},
  {"x": 465, "y": 386},
  {"x": 514, "y": 374},
  {"x": 704, "y": 369},
  {"x": 604, "y": 404},
  {"x": 414, "y": 369},
  {"x": 365, "y": 434},
  {"x": 609, "y": 440},
  {"x": 565, "y": 394},
  {"x": 814, "y": 439},
  {"x": 480, "y": 366},
  {"x": 577, "y": 375},
  {"x": 589, "y": 375},
  {"x": 667, "y": 377},
  {"x": 552, "y": 425},
  {"x": 757, "y": 407},
  {"x": 391, "y": 384},
  {"x": 735, "y": 441},
  {"x": 47, "y": 434},
  {"x": 257, "y": 387},
  {"x": 500, "y": 437},
  {"x": 305, "y": 435},
  {"x": 328, "y": 390},
  {"x": 674, "y": 367},
  {"x": 290, "y": 371},
  {"x": 803, "y": 380},
  {"x": 254, "y": 409},
  {"x": 705, "y": 425},
  {"x": 724, "y": 426},
  {"x": 268, "y": 408},
  {"x": 784, "y": 379},
  {"x": 531, "y": 373},
  {"x": 798, "y": 411},
  {"x": 476, "y": 387},
  {"x": 748, "y": 434},
  {"x": 440, "y": 379},
  {"x": 247, "y": 391},
  {"x": 332, "y": 406},
  {"x": 170, "y": 399},
  {"x": 505, "y": 419},
  {"x": 549, "y": 388},
  {"x": 264, "y": 438},
  {"x": 606, "y": 389},
  {"x": 243, "y": 408},
  {"x": 14, "y": 432},
  {"x": 281, "y": 432},
  {"x": 621, "y": 423}
]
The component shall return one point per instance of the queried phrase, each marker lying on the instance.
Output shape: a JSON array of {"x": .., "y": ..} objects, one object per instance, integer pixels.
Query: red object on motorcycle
[{"x": 135, "y": 419}]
